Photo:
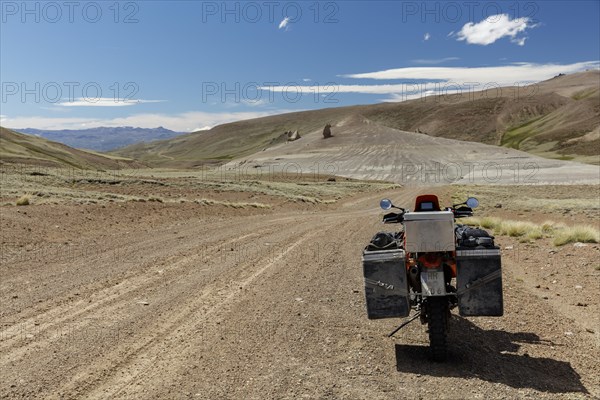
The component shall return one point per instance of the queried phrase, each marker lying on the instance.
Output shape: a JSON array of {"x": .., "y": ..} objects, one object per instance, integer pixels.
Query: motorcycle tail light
[{"x": 430, "y": 260}]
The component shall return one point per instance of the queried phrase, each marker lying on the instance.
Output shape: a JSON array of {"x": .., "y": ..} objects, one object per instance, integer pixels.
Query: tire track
[
  {"x": 58, "y": 316},
  {"x": 212, "y": 299}
]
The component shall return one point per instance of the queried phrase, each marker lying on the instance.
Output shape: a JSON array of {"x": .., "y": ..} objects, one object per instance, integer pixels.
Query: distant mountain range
[{"x": 103, "y": 138}]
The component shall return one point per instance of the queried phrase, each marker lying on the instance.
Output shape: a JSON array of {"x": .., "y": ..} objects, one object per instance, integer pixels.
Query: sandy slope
[
  {"x": 365, "y": 150},
  {"x": 200, "y": 305}
]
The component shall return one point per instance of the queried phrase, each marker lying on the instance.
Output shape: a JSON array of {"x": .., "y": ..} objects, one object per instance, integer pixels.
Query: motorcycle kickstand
[{"x": 417, "y": 315}]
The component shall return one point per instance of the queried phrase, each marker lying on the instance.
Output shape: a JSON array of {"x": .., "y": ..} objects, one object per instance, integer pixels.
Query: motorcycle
[{"x": 432, "y": 265}]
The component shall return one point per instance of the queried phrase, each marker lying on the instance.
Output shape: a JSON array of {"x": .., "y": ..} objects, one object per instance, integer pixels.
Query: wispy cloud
[
  {"x": 396, "y": 92},
  {"x": 423, "y": 81},
  {"x": 502, "y": 75},
  {"x": 519, "y": 41},
  {"x": 494, "y": 28},
  {"x": 284, "y": 23},
  {"x": 255, "y": 103},
  {"x": 434, "y": 60},
  {"x": 104, "y": 102},
  {"x": 183, "y": 122},
  {"x": 324, "y": 90},
  {"x": 427, "y": 36}
]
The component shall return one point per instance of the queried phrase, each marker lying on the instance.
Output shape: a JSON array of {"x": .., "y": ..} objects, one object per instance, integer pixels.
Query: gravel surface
[{"x": 142, "y": 301}]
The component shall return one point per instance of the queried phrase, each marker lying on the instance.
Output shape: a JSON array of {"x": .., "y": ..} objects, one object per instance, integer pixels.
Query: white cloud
[
  {"x": 427, "y": 36},
  {"x": 203, "y": 128},
  {"x": 183, "y": 122},
  {"x": 493, "y": 28},
  {"x": 284, "y": 23},
  {"x": 434, "y": 60},
  {"x": 254, "y": 103},
  {"x": 446, "y": 80},
  {"x": 306, "y": 79},
  {"x": 419, "y": 94},
  {"x": 519, "y": 41},
  {"x": 328, "y": 89},
  {"x": 396, "y": 92},
  {"x": 104, "y": 102},
  {"x": 502, "y": 75}
]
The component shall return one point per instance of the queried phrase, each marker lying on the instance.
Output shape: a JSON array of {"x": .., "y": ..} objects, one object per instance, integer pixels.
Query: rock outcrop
[
  {"x": 327, "y": 131},
  {"x": 291, "y": 136}
]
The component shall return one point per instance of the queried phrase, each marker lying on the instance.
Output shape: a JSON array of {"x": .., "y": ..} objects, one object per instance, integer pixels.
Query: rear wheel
[{"x": 438, "y": 327}]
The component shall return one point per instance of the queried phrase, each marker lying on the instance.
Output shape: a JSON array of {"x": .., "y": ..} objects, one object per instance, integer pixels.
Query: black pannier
[
  {"x": 479, "y": 281},
  {"x": 384, "y": 269}
]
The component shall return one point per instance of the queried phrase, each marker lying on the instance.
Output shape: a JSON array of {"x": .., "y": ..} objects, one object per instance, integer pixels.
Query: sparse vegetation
[
  {"x": 208, "y": 202},
  {"x": 556, "y": 200},
  {"x": 527, "y": 231},
  {"x": 24, "y": 200},
  {"x": 311, "y": 200},
  {"x": 548, "y": 227},
  {"x": 558, "y": 204},
  {"x": 578, "y": 233},
  {"x": 573, "y": 199},
  {"x": 160, "y": 185},
  {"x": 583, "y": 94}
]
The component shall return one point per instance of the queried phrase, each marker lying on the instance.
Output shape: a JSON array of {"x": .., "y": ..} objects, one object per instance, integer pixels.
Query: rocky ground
[{"x": 147, "y": 299}]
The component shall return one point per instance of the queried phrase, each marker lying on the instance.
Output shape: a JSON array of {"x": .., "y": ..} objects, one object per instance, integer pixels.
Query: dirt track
[{"x": 255, "y": 306}]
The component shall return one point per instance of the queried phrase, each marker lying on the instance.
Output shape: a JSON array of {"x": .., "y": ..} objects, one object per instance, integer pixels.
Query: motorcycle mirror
[
  {"x": 385, "y": 204},
  {"x": 472, "y": 202}
]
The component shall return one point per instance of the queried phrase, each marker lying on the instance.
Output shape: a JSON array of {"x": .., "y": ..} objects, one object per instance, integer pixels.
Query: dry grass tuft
[
  {"x": 24, "y": 200},
  {"x": 209, "y": 202},
  {"x": 578, "y": 233},
  {"x": 528, "y": 231}
]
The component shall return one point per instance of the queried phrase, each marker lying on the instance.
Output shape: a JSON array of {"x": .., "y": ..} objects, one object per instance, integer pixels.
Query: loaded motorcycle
[{"x": 432, "y": 265}]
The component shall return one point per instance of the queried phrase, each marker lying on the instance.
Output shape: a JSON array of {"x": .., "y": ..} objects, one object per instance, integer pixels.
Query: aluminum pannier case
[{"x": 429, "y": 231}]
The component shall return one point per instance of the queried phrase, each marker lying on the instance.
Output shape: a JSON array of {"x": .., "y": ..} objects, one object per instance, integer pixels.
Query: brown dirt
[{"x": 149, "y": 300}]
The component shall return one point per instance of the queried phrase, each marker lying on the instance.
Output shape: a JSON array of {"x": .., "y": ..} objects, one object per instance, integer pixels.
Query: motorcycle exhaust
[{"x": 413, "y": 278}]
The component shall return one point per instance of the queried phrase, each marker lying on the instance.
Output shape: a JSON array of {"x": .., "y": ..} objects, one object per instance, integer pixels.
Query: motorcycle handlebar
[
  {"x": 393, "y": 218},
  {"x": 463, "y": 214}
]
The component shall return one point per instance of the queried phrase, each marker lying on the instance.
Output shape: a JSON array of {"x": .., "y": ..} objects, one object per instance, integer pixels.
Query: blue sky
[{"x": 188, "y": 65}]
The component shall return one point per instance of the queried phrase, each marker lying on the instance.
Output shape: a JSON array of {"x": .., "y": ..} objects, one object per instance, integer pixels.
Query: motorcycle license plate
[{"x": 432, "y": 283}]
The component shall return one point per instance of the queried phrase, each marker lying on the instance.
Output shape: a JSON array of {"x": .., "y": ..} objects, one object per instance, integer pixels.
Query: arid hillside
[
  {"x": 19, "y": 148},
  {"x": 558, "y": 118}
]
